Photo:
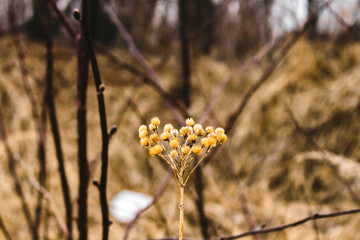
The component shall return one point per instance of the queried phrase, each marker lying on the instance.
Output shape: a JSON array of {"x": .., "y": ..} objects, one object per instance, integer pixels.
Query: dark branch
[{"x": 100, "y": 87}]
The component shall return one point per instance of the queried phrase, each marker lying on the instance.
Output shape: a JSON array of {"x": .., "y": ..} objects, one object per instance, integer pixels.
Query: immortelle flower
[{"x": 179, "y": 148}]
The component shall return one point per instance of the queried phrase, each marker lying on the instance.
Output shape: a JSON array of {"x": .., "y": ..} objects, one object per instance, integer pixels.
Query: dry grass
[{"x": 264, "y": 159}]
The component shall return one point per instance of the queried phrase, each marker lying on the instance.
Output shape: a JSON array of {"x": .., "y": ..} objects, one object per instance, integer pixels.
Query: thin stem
[
  {"x": 54, "y": 123},
  {"x": 197, "y": 164},
  {"x": 181, "y": 209},
  {"x": 103, "y": 123}
]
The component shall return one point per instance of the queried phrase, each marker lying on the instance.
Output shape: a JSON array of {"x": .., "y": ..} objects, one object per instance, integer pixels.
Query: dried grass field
[{"x": 268, "y": 173}]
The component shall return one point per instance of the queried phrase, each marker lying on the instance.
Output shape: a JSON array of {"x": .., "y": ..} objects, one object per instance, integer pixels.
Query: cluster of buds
[{"x": 179, "y": 147}]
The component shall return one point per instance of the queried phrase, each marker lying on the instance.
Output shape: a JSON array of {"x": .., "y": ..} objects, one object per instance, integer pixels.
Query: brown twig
[
  {"x": 333, "y": 168},
  {"x": 185, "y": 53},
  {"x": 63, "y": 20},
  {"x": 293, "y": 224},
  {"x": 16, "y": 180},
  {"x": 82, "y": 83},
  {"x": 53, "y": 121},
  {"x": 156, "y": 197},
  {"x": 343, "y": 23},
  {"x": 4, "y": 230},
  {"x": 100, "y": 88},
  {"x": 255, "y": 59},
  {"x": 177, "y": 112},
  {"x": 54, "y": 209}
]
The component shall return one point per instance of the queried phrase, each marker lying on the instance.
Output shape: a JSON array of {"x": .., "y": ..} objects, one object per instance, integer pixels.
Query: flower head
[
  {"x": 185, "y": 131},
  {"x": 154, "y": 138},
  {"x": 174, "y": 142},
  {"x": 192, "y": 138},
  {"x": 196, "y": 149},
  {"x": 189, "y": 122},
  {"x": 173, "y": 153},
  {"x": 152, "y": 127},
  {"x": 155, "y": 150},
  {"x": 144, "y": 141},
  {"x": 143, "y": 133},
  {"x": 165, "y": 136},
  {"x": 219, "y": 130},
  {"x": 142, "y": 128},
  {"x": 221, "y": 137},
  {"x": 168, "y": 127},
  {"x": 155, "y": 121},
  {"x": 209, "y": 129},
  {"x": 185, "y": 150}
]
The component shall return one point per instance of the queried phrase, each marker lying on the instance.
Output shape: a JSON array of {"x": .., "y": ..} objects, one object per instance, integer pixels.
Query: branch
[
  {"x": 293, "y": 224},
  {"x": 15, "y": 177},
  {"x": 54, "y": 123},
  {"x": 343, "y": 23},
  {"x": 63, "y": 20},
  {"x": 283, "y": 227},
  {"x": 333, "y": 168},
  {"x": 54, "y": 209},
  {"x": 185, "y": 53},
  {"x": 100, "y": 88},
  {"x": 4, "y": 230},
  {"x": 179, "y": 113},
  {"x": 156, "y": 197}
]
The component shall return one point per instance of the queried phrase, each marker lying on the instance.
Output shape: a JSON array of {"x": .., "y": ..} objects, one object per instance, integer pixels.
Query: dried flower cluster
[{"x": 179, "y": 147}]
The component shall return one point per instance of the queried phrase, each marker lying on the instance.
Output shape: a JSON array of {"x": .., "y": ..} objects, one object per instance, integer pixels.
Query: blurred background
[{"x": 282, "y": 77}]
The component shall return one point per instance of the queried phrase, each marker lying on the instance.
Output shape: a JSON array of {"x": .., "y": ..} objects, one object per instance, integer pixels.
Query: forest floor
[{"x": 267, "y": 173}]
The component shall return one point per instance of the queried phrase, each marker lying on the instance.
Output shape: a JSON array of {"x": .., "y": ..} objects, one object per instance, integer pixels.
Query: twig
[
  {"x": 185, "y": 53},
  {"x": 178, "y": 113},
  {"x": 63, "y": 20},
  {"x": 103, "y": 123},
  {"x": 4, "y": 230},
  {"x": 156, "y": 197},
  {"x": 15, "y": 177},
  {"x": 293, "y": 224},
  {"x": 255, "y": 59},
  {"x": 54, "y": 123},
  {"x": 268, "y": 72},
  {"x": 54, "y": 209},
  {"x": 333, "y": 168},
  {"x": 82, "y": 83},
  {"x": 344, "y": 24}
]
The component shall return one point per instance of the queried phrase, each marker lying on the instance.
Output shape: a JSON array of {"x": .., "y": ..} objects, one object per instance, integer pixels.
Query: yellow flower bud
[
  {"x": 152, "y": 127},
  {"x": 196, "y": 149},
  {"x": 221, "y": 137},
  {"x": 144, "y": 141},
  {"x": 155, "y": 121},
  {"x": 185, "y": 150},
  {"x": 154, "y": 138},
  {"x": 185, "y": 131},
  {"x": 168, "y": 127},
  {"x": 165, "y": 136},
  {"x": 192, "y": 138},
  {"x": 174, "y": 142},
  {"x": 173, "y": 153},
  {"x": 142, "y": 128},
  {"x": 211, "y": 141},
  {"x": 174, "y": 132},
  {"x": 155, "y": 150},
  {"x": 143, "y": 134},
  {"x": 209, "y": 129},
  {"x": 205, "y": 142},
  {"x": 189, "y": 122},
  {"x": 219, "y": 130}
]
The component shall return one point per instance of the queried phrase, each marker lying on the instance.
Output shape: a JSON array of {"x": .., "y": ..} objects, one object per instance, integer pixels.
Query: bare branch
[
  {"x": 293, "y": 224},
  {"x": 4, "y": 230},
  {"x": 333, "y": 168},
  {"x": 100, "y": 88}
]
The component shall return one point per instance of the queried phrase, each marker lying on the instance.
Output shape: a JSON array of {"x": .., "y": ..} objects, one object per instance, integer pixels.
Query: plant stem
[{"x": 181, "y": 208}]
